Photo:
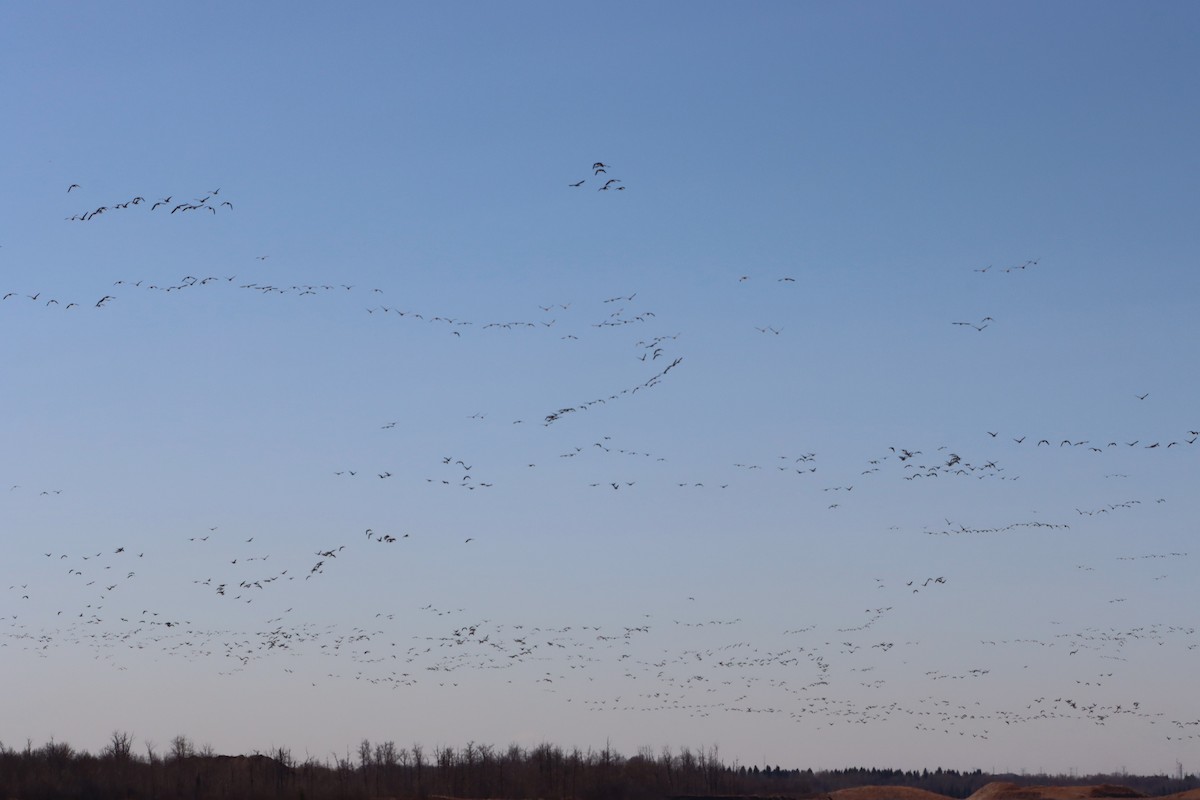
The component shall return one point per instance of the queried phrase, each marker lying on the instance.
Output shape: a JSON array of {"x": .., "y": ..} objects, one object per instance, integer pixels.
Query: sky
[{"x": 816, "y": 382}]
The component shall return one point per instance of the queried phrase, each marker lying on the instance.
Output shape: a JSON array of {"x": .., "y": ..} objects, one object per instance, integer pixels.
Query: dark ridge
[{"x": 57, "y": 771}]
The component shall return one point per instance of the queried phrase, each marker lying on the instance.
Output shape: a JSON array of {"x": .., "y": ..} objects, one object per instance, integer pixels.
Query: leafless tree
[
  {"x": 120, "y": 747},
  {"x": 181, "y": 748}
]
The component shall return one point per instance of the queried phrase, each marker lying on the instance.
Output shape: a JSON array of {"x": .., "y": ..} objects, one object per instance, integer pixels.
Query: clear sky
[{"x": 846, "y": 414}]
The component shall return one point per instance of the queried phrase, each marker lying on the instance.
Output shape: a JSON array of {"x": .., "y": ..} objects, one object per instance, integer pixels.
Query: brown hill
[
  {"x": 886, "y": 793},
  {"x": 1011, "y": 791},
  {"x": 1190, "y": 794}
]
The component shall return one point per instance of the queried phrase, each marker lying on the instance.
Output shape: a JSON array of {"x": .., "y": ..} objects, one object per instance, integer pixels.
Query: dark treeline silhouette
[{"x": 56, "y": 771}]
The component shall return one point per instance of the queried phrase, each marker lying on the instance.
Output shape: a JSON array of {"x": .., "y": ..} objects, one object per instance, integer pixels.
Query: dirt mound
[
  {"x": 886, "y": 793},
  {"x": 1011, "y": 791}
]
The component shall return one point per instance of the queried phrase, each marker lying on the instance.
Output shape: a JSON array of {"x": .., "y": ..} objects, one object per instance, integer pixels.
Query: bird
[
  {"x": 577, "y": 185},
  {"x": 73, "y": 186}
]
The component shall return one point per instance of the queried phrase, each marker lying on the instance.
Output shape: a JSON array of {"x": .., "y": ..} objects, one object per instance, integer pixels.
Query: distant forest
[{"x": 57, "y": 771}]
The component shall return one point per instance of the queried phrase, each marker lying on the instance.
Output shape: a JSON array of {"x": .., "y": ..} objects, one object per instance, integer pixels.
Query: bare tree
[
  {"x": 119, "y": 747},
  {"x": 419, "y": 763},
  {"x": 181, "y": 748}
]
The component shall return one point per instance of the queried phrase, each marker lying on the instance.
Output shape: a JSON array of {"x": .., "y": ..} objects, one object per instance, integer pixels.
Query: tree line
[{"x": 57, "y": 771}]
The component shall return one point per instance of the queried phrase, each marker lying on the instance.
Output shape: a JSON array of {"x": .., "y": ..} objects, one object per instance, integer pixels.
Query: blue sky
[{"x": 843, "y": 234}]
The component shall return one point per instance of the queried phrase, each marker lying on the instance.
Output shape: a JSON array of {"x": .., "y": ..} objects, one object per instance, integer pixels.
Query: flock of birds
[
  {"x": 722, "y": 668},
  {"x": 684, "y": 661},
  {"x": 195, "y": 204},
  {"x": 609, "y": 184}
]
